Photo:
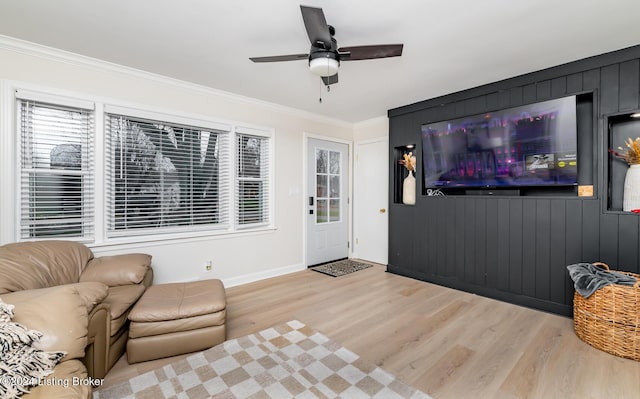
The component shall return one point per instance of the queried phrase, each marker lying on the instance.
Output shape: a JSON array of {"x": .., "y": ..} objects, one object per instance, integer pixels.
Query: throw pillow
[{"x": 21, "y": 365}]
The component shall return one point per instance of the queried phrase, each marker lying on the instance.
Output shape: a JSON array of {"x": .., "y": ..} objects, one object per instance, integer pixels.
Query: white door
[
  {"x": 371, "y": 201},
  {"x": 327, "y": 201}
]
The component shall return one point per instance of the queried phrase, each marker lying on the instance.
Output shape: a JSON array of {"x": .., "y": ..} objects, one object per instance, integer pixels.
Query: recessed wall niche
[
  {"x": 400, "y": 171},
  {"x": 621, "y": 127}
]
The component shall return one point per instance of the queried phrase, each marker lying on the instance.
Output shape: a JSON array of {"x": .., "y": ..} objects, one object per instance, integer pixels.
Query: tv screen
[{"x": 531, "y": 145}]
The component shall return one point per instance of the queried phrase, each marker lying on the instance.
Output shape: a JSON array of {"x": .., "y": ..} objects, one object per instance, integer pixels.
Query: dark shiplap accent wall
[{"x": 517, "y": 248}]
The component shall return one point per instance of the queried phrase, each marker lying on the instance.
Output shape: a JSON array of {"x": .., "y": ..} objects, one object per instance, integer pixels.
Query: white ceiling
[{"x": 448, "y": 45}]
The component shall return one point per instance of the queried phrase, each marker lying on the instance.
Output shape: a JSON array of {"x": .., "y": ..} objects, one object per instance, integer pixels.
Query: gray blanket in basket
[{"x": 588, "y": 278}]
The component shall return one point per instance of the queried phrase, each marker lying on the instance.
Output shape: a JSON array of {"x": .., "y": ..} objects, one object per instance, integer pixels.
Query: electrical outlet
[{"x": 208, "y": 266}]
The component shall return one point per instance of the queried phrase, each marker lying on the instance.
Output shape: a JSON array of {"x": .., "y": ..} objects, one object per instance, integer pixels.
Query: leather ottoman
[{"x": 177, "y": 318}]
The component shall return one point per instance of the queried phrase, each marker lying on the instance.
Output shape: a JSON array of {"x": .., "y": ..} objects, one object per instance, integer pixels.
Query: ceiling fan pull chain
[{"x": 320, "y": 99}]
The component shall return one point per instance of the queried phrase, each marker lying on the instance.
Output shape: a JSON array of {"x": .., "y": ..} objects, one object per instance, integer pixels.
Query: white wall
[
  {"x": 371, "y": 129},
  {"x": 236, "y": 259}
]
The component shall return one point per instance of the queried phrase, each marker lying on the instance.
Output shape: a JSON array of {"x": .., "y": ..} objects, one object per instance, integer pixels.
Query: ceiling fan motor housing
[{"x": 323, "y": 63}]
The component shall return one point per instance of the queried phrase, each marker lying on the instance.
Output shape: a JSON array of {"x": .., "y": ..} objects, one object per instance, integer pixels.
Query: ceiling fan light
[{"x": 324, "y": 66}]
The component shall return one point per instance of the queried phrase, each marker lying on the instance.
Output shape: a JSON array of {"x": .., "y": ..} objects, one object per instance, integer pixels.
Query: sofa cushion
[
  {"x": 58, "y": 312},
  {"x": 118, "y": 269},
  {"x": 60, "y": 384},
  {"x": 22, "y": 365},
  {"x": 42, "y": 264},
  {"x": 91, "y": 293},
  {"x": 180, "y": 300},
  {"x": 120, "y": 300}
]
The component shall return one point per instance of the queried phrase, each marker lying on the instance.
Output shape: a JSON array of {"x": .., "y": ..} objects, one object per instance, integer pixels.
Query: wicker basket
[{"x": 609, "y": 319}]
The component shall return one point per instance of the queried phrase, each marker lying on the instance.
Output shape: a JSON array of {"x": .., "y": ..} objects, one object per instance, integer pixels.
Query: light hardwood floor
[{"x": 448, "y": 343}]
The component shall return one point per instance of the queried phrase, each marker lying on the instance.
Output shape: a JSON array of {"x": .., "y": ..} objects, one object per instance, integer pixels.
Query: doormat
[{"x": 340, "y": 268}]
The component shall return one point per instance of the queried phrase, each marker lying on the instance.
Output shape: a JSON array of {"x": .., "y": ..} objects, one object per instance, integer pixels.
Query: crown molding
[{"x": 58, "y": 55}]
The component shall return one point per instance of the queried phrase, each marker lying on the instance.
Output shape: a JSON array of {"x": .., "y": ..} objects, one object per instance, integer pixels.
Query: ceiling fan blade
[
  {"x": 329, "y": 80},
  {"x": 370, "y": 52},
  {"x": 278, "y": 58},
  {"x": 317, "y": 28}
]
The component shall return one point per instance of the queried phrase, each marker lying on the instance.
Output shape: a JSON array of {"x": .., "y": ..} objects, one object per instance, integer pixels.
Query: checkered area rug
[
  {"x": 286, "y": 361},
  {"x": 341, "y": 267}
]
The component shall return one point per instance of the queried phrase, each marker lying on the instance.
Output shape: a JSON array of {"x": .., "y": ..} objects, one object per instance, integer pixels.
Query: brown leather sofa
[
  {"x": 111, "y": 285},
  {"x": 61, "y": 314}
]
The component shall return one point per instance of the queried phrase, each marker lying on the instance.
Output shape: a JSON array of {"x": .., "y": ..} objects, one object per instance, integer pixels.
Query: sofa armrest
[
  {"x": 61, "y": 384},
  {"x": 117, "y": 270},
  {"x": 92, "y": 294},
  {"x": 59, "y": 313},
  {"x": 96, "y": 353}
]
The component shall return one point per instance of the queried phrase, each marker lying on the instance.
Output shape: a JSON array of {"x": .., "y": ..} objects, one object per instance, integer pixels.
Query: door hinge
[{"x": 348, "y": 244}]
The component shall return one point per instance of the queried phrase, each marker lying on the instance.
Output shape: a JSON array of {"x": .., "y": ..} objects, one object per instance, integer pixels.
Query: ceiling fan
[{"x": 325, "y": 56}]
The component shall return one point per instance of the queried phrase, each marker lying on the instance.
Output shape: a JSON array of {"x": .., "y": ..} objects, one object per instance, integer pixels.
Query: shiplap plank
[
  {"x": 543, "y": 256},
  {"x": 470, "y": 262},
  {"x": 480, "y": 224},
  {"x": 503, "y": 244},
  {"x": 515, "y": 96},
  {"x": 573, "y": 244},
  {"x": 529, "y": 264},
  {"x": 543, "y": 90},
  {"x": 450, "y": 234},
  {"x": 529, "y": 93},
  {"x": 441, "y": 236},
  {"x": 591, "y": 79},
  {"x": 557, "y": 246},
  {"x": 460, "y": 223},
  {"x": 559, "y": 87},
  {"x": 492, "y": 243},
  {"x": 504, "y": 99},
  {"x": 609, "y": 239},
  {"x": 515, "y": 245},
  {"x": 629, "y": 90},
  {"x": 491, "y": 102},
  {"x": 610, "y": 76},
  {"x": 590, "y": 231},
  {"x": 628, "y": 243},
  {"x": 574, "y": 83}
]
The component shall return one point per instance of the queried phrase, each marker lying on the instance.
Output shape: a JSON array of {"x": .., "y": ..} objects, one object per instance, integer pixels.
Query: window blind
[
  {"x": 252, "y": 179},
  {"x": 56, "y": 170},
  {"x": 164, "y": 177}
]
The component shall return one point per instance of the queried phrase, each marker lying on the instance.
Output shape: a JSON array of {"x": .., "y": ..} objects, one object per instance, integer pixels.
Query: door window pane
[
  {"x": 334, "y": 162},
  {"x": 321, "y": 213},
  {"x": 334, "y": 210},
  {"x": 321, "y": 161},
  {"x": 335, "y": 186},
  {"x": 321, "y": 186}
]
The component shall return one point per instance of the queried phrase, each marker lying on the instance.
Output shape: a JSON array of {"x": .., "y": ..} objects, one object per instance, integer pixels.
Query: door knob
[{"x": 382, "y": 210}]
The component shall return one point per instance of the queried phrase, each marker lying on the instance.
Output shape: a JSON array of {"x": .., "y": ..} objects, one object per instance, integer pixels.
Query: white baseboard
[{"x": 251, "y": 277}]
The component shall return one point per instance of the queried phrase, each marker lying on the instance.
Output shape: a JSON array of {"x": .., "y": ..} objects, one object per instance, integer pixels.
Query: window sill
[{"x": 177, "y": 238}]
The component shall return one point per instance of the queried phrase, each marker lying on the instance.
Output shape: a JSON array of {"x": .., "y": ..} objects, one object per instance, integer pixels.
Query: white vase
[
  {"x": 409, "y": 189},
  {"x": 631, "y": 194}
]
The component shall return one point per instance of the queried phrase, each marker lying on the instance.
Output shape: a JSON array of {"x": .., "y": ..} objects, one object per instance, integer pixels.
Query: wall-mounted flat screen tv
[{"x": 531, "y": 145}]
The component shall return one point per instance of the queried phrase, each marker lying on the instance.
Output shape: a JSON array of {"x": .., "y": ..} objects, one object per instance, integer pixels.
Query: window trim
[
  {"x": 102, "y": 105},
  {"x": 150, "y": 117},
  {"x": 270, "y": 136},
  {"x": 90, "y": 212}
]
